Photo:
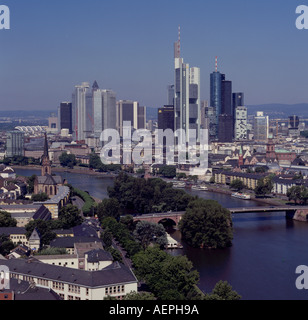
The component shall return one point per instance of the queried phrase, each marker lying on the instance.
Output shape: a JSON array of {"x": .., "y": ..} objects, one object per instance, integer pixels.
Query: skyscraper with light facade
[
  {"x": 261, "y": 127},
  {"x": 93, "y": 111},
  {"x": 187, "y": 108}
]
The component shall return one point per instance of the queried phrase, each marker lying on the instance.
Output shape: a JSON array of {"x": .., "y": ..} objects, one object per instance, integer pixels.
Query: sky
[{"x": 127, "y": 46}]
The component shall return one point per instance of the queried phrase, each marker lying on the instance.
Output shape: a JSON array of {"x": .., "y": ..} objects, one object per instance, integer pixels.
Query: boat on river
[
  {"x": 242, "y": 196},
  {"x": 199, "y": 188}
]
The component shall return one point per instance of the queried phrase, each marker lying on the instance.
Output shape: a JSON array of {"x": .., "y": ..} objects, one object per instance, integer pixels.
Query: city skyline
[{"x": 128, "y": 48}]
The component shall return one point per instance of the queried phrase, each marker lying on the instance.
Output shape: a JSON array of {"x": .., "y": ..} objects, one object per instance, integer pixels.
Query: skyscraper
[
  {"x": 221, "y": 100},
  {"x": 240, "y": 127},
  {"x": 15, "y": 145},
  {"x": 261, "y": 127},
  {"x": 166, "y": 118},
  {"x": 93, "y": 111},
  {"x": 130, "y": 111},
  {"x": 65, "y": 116},
  {"x": 225, "y": 127},
  {"x": 170, "y": 95},
  {"x": 82, "y": 111},
  {"x": 187, "y": 111}
]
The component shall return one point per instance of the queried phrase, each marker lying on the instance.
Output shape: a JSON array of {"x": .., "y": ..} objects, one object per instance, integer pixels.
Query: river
[{"x": 266, "y": 249}]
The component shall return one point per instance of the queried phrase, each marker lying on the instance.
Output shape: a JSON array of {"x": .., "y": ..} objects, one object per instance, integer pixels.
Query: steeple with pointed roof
[{"x": 46, "y": 163}]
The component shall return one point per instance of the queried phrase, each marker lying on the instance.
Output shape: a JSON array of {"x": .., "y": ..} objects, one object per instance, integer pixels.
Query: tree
[
  {"x": 106, "y": 236},
  {"x": 46, "y": 234},
  {"x": 6, "y": 245},
  {"x": 69, "y": 216},
  {"x": 6, "y": 220},
  {"x": 167, "y": 171},
  {"x": 40, "y": 197},
  {"x": 207, "y": 224},
  {"x": 168, "y": 277},
  {"x": 108, "y": 208},
  {"x": 223, "y": 291},
  {"x": 264, "y": 187},
  {"x": 139, "y": 296},
  {"x": 149, "y": 232},
  {"x": 237, "y": 185},
  {"x": 67, "y": 160},
  {"x": 30, "y": 182}
]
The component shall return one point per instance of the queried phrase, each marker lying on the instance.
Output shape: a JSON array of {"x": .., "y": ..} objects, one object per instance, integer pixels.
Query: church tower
[{"x": 46, "y": 163}]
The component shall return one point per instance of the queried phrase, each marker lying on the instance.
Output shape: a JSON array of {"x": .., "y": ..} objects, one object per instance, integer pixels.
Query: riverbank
[
  {"x": 77, "y": 170},
  {"x": 211, "y": 188}
]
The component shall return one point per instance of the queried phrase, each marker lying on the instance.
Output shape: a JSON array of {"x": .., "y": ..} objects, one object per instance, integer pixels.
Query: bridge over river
[{"x": 177, "y": 216}]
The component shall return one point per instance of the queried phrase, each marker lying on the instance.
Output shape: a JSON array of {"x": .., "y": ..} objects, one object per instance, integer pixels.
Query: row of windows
[{"x": 115, "y": 289}]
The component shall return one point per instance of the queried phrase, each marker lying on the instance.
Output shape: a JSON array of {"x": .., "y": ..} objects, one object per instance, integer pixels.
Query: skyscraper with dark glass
[
  {"x": 65, "y": 116},
  {"x": 221, "y": 100}
]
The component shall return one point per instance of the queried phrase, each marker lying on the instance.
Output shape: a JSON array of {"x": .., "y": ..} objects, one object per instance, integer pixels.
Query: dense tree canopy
[
  {"x": 168, "y": 277},
  {"x": 138, "y": 195},
  {"x": 149, "y": 232},
  {"x": 6, "y": 220},
  {"x": 207, "y": 224}
]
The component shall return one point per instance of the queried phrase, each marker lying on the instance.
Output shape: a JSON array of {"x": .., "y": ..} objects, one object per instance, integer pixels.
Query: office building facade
[
  {"x": 130, "y": 111},
  {"x": 261, "y": 127},
  {"x": 65, "y": 116},
  {"x": 240, "y": 128},
  {"x": 187, "y": 108},
  {"x": 15, "y": 144},
  {"x": 166, "y": 118}
]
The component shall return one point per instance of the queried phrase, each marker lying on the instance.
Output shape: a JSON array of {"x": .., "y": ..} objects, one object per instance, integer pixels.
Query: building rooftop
[{"x": 116, "y": 273}]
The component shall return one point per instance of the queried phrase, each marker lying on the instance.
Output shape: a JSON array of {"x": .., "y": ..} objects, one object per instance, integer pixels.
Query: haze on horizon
[{"x": 127, "y": 46}]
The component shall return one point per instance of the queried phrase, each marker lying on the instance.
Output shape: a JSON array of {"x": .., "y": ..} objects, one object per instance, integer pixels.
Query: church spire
[{"x": 46, "y": 163}]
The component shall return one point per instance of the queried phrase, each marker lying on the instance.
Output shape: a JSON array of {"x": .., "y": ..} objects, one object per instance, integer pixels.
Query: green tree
[
  {"x": 46, "y": 234},
  {"x": 207, "y": 224},
  {"x": 168, "y": 277},
  {"x": 223, "y": 291},
  {"x": 108, "y": 208},
  {"x": 67, "y": 160},
  {"x": 69, "y": 216},
  {"x": 40, "y": 197},
  {"x": 264, "y": 187},
  {"x": 6, "y": 245},
  {"x": 6, "y": 220},
  {"x": 149, "y": 232},
  {"x": 106, "y": 236},
  {"x": 30, "y": 184},
  {"x": 237, "y": 185}
]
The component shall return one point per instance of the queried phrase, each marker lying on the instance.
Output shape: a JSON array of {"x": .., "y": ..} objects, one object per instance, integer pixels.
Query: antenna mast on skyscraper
[
  {"x": 179, "y": 42},
  {"x": 216, "y": 64}
]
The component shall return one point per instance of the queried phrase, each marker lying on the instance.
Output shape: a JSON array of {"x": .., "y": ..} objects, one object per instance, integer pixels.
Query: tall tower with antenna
[{"x": 187, "y": 110}]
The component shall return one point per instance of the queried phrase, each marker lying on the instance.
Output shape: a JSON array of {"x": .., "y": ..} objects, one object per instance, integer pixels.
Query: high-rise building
[
  {"x": 187, "y": 111},
  {"x": 166, "y": 118},
  {"x": 15, "y": 145},
  {"x": 220, "y": 96},
  {"x": 170, "y": 95},
  {"x": 104, "y": 106},
  {"x": 226, "y": 97},
  {"x": 82, "y": 112},
  {"x": 93, "y": 111},
  {"x": 237, "y": 100},
  {"x": 65, "y": 116},
  {"x": 294, "y": 126},
  {"x": 225, "y": 127},
  {"x": 240, "y": 127},
  {"x": 130, "y": 111},
  {"x": 261, "y": 127}
]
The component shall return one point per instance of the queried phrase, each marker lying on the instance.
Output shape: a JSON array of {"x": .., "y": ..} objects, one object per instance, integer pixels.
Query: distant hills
[{"x": 279, "y": 110}]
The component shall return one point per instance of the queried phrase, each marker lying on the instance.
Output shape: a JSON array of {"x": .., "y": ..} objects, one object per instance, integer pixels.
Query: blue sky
[{"x": 127, "y": 46}]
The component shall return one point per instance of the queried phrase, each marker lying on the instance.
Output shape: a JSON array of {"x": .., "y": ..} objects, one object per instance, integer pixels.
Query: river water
[{"x": 261, "y": 264}]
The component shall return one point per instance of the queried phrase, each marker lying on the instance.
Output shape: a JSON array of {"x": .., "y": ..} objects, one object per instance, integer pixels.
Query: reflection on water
[{"x": 266, "y": 249}]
